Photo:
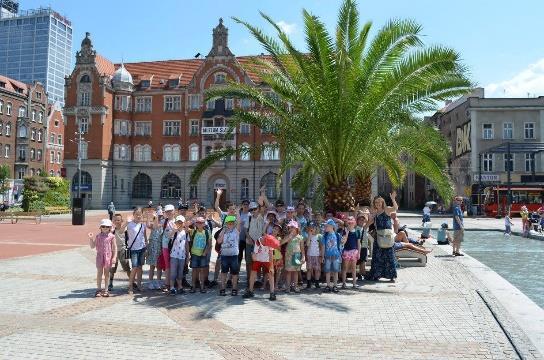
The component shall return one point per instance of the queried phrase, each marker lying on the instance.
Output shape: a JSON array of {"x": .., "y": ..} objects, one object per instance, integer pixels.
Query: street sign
[
  {"x": 487, "y": 177},
  {"x": 84, "y": 187}
]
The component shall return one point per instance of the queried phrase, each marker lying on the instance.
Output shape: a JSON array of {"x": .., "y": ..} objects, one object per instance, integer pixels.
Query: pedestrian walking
[
  {"x": 111, "y": 210},
  {"x": 458, "y": 227}
]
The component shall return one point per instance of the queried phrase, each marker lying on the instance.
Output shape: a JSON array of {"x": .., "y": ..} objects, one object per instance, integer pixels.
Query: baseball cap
[
  {"x": 180, "y": 218},
  {"x": 169, "y": 207},
  {"x": 290, "y": 209},
  {"x": 230, "y": 218},
  {"x": 330, "y": 222}
]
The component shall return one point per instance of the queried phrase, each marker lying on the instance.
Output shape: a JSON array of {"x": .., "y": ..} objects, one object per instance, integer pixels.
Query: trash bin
[{"x": 78, "y": 211}]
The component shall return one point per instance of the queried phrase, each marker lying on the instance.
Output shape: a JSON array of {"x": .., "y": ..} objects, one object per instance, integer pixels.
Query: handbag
[
  {"x": 127, "y": 248},
  {"x": 386, "y": 238},
  {"x": 296, "y": 259}
]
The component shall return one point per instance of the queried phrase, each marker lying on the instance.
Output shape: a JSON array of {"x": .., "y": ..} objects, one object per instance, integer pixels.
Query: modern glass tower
[{"x": 35, "y": 45}]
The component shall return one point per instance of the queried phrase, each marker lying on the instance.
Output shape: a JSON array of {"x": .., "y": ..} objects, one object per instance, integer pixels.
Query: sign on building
[
  {"x": 462, "y": 144},
  {"x": 487, "y": 177}
]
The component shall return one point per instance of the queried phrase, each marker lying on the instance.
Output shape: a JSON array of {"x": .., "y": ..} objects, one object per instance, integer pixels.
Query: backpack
[{"x": 192, "y": 237}]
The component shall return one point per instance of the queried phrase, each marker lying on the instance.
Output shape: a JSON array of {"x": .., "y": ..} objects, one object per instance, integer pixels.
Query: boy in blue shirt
[{"x": 331, "y": 255}]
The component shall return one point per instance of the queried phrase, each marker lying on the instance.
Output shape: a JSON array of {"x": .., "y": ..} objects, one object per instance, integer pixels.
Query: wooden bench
[
  {"x": 21, "y": 215},
  {"x": 55, "y": 210}
]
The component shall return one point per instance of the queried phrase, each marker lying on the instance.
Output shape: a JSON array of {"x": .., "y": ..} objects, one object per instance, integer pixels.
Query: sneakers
[
  {"x": 327, "y": 289},
  {"x": 172, "y": 291},
  {"x": 335, "y": 289},
  {"x": 248, "y": 294},
  {"x": 308, "y": 284},
  {"x": 272, "y": 297},
  {"x": 316, "y": 284}
]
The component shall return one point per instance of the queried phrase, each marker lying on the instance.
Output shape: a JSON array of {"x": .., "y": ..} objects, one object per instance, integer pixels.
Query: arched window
[
  {"x": 22, "y": 111},
  {"x": 244, "y": 189},
  {"x": 1, "y": 127},
  {"x": 33, "y": 115},
  {"x": 22, "y": 131},
  {"x": 141, "y": 187},
  {"x": 265, "y": 152},
  {"x": 170, "y": 186},
  {"x": 86, "y": 181},
  {"x": 85, "y": 79},
  {"x": 123, "y": 152},
  {"x": 1, "y": 106},
  {"x": 33, "y": 134},
  {"x": 176, "y": 152},
  {"x": 167, "y": 153},
  {"x": 31, "y": 172},
  {"x": 8, "y": 129},
  {"x": 269, "y": 182},
  {"x": 147, "y": 153},
  {"x": 40, "y": 117},
  {"x": 32, "y": 154},
  {"x": 8, "y": 109},
  {"x": 193, "y": 152},
  {"x": 244, "y": 152},
  {"x": 274, "y": 151},
  {"x": 40, "y": 134},
  {"x": 138, "y": 153}
]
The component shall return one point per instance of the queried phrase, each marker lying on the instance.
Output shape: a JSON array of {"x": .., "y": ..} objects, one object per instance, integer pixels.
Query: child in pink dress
[{"x": 106, "y": 255}]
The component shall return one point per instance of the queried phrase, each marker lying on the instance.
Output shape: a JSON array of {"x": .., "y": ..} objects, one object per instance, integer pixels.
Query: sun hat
[
  {"x": 200, "y": 220},
  {"x": 293, "y": 224},
  {"x": 106, "y": 222},
  {"x": 273, "y": 213},
  {"x": 253, "y": 205},
  {"x": 169, "y": 207},
  {"x": 230, "y": 218},
  {"x": 330, "y": 222},
  {"x": 290, "y": 208},
  {"x": 180, "y": 218}
]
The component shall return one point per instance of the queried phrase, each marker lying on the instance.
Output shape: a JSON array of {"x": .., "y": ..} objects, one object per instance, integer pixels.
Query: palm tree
[{"x": 347, "y": 102}]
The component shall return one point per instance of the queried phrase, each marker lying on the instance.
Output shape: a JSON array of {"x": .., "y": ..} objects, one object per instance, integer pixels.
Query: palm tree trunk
[
  {"x": 339, "y": 197},
  {"x": 363, "y": 190}
]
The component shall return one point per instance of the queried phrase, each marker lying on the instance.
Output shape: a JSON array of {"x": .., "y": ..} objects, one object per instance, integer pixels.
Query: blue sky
[{"x": 500, "y": 41}]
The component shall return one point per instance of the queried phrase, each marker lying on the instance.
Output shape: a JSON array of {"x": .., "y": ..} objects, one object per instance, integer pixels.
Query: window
[
  {"x": 39, "y": 95},
  {"x": 33, "y": 134},
  {"x": 22, "y": 154},
  {"x": 529, "y": 130},
  {"x": 176, "y": 149},
  {"x": 229, "y": 104},
  {"x": 39, "y": 155},
  {"x": 507, "y": 131},
  {"x": 167, "y": 153},
  {"x": 83, "y": 150},
  {"x": 171, "y": 128},
  {"x": 40, "y": 117},
  {"x": 121, "y": 152},
  {"x": 7, "y": 150},
  {"x": 1, "y": 128},
  {"x": 244, "y": 152},
  {"x": 220, "y": 78},
  {"x": 193, "y": 191},
  {"x": 530, "y": 162},
  {"x": 172, "y": 103},
  {"x": 59, "y": 139},
  {"x": 193, "y": 152},
  {"x": 172, "y": 83},
  {"x": 144, "y": 84},
  {"x": 84, "y": 98},
  {"x": 22, "y": 111},
  {"x": 193, "y": 127},
  {"x": 1, "y": 107},
  {"x": 8, "y": 109},
  {"x": 170, "y": 186},
  {"x": 52, "y": 139},
  {"x": 245, "y": 104},
  {"x": 122, "y": 127},
  {"x": 32, "y": 154},
  {"x": 40, "y": 135},
  {"x": 33, "y": 115},
  {"x": 84, "y": 125},
  {"x": 143, "y": 104},
  {"x": 142, "y": 153},
  {"x": 122, "y": 103},
  {"x": 487, "y": 131},
  {"x": 21, "y": 173},
  {"x": 141, "y": 186},
  {"x": 244, "y": 189},
  {"x": 245, "y": 128},
  {"x": 508, "y": 162},
  {"x": 51, "y": 157},
  {"x": 194, "y": 102},
  {"x": 210, "y": 104},
  {"x": 8, "y": 129},
  {"x": 487, "y": 162},
  {"x": 142, "y": 128},
  {"x": 85, "y": 79},
  {"x": 270, "y": 152},
  {"x": 58, "y": 157},
  {"x": 207, "y": 150},
  {"x": 22, "y": 131}
]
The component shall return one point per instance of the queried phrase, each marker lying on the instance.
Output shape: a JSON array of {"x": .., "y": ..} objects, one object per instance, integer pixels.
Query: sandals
[
  {"x": 234, "y": 292},
  {"x": 222, "y": 292},
  {"x": 105, "y": 294},
  {"x": 98, "y": 293}
]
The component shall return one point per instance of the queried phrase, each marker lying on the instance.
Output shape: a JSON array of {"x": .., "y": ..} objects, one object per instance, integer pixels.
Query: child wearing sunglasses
[{"x": 106, "y": 255}]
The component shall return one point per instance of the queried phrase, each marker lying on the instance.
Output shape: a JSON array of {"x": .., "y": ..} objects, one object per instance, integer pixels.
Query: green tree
[
  {"x": 4, "y": 179},
  {"x": 348, "y": 103}
]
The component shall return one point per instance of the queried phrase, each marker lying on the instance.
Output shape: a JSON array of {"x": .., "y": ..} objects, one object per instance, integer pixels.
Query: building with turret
[{"x": 146, "y": 125}]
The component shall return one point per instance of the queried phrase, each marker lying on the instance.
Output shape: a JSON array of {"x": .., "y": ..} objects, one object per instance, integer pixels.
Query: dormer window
[
  {"x": 220, "y": 78},
  {"x": 2, "y": 84},
  {"x": 172, "y": 83},
  {"x": 144, "y": 84}
]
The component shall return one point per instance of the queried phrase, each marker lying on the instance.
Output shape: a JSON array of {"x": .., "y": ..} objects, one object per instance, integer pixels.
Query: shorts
[
  {"x": 350, "y": 255},
  {"x": 137, "y": 257},
  {"x": 198, "y": 262},
  {"x": 398, "y": 246},
  {"x": 258, "y": 265},
  {"x": 229, "y": 264},
  {"x": 313, "y": 263},
  {"x": 332, "y": 265},
  {"x": 458, "y": 235},
  {"x": 176, "y": 270},
  {"x": 363, "y": 255},
  {"x": 163, "y": 262},
  {"x": 125, "y": 264}
]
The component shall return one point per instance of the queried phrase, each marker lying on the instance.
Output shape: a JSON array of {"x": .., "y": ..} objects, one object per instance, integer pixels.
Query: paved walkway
[{"x": 429, "y": 313}]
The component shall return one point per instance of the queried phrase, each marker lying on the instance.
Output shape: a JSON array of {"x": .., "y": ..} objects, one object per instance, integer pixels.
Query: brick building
[
  {"x": 54, "y": 153},
  {"x": 23, "y": 129},
  {"x": 145, "y": 126}
]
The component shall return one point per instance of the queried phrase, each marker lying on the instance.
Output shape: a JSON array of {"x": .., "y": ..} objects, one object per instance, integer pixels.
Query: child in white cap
[{"x": 106, "y": 254}]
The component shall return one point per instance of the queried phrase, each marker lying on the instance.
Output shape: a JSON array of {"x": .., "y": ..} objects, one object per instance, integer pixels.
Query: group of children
[{"x": 276, "y": 244}]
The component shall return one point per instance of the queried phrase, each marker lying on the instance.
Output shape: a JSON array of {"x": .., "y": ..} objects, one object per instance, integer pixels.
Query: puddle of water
[{"x": 518, "y": 260}]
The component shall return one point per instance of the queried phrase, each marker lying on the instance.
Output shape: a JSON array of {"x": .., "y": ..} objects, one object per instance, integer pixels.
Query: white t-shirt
[
  {"x": 178, "y": 248},
  {"x": 427, "y": 210},
  {"x": 262, "y": 253},
  {"x": 313, "y": 249},
  {"x": 133, "y": 230}
]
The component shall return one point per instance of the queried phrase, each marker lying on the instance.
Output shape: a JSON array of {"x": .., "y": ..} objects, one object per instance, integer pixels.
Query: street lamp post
[{"x": 79, "y": 164}]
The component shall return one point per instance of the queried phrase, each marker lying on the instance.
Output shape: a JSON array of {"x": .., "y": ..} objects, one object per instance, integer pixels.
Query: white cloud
[
  {"x": 286, "y": 27},
  {"x": 529, "y": 80}
]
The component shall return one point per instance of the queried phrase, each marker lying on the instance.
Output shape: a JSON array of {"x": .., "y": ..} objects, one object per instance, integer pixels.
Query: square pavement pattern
[{"x": 48, "y": 312}]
